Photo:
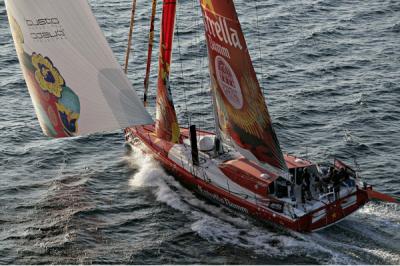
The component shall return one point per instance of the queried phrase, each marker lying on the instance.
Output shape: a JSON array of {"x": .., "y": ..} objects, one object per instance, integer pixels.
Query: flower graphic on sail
[
  {"x": 167, "y": 127},
  {"x": 47, "y": 75},
  {"x": 242, "y": 115}
]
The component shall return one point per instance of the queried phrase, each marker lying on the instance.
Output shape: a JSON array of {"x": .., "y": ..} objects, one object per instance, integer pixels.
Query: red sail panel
[
  {"x": 242, "y": 113},
  {"x": 167, "y": 127}
]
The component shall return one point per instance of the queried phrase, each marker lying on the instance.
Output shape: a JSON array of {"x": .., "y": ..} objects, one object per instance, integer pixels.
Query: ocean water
[{"x": 331, "y": 75}]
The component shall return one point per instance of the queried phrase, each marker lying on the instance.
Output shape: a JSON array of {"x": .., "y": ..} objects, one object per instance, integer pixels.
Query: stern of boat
[{"x": 334, "y": 212}]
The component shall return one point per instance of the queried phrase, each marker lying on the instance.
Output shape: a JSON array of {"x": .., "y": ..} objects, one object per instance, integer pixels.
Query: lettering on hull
[{"x": 222, "y": 200}]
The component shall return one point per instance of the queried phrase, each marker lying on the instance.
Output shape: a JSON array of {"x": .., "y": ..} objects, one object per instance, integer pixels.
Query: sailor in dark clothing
[
  {"x": 319, "y": 184},
  {"x": 332, "y": 173},
  {"x": 300, "y": 182},
  {"x": 299, "y": 176},
  {"x": 290, "y": 187},
  {"x": 328, "y": 178},
  {"x": 347, "y": 180},
  {"x": 307, "y": 183},
  {"x": 337, "y": 180}
]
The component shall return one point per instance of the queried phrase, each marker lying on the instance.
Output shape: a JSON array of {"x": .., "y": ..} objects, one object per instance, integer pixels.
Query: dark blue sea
[{"x": 330, "y": 70}]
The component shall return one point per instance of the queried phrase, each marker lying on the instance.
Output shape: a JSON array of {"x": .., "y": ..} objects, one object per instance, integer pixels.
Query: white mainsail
[{"x": 76, "y": 84}]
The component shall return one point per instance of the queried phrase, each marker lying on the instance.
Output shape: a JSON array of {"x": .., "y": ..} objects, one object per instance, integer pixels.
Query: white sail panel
[{"x": 76, "y": 84}]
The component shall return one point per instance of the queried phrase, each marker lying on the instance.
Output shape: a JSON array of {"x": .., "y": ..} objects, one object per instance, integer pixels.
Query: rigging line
[
  {"x": 202, "y": 53},
  {"x": 149, "y": 51},
  {"x": 202, "y": 56},
  {"x": 259, "y": 48},
  {"x": 181, "y": 66},
  {"x": 208, "y": 89},
  {"x": 195, "y": 41},
  {"x": 128, "y": 48}
]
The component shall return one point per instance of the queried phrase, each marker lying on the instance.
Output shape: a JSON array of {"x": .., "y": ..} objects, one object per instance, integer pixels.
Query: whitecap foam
[
  {"x": 265, "y": 242},
  {"x": 150, "y": 174},
  {"x": 383, "y": 211}
]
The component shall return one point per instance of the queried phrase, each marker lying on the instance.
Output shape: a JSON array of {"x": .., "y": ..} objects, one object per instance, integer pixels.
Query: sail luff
[
  {"x": 242, "y": 113},
  {"x": 167, "y": 127}
]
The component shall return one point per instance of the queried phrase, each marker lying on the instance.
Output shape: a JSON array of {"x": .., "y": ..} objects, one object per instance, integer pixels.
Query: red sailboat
[
  {"x": 78, "y": 87},
  {"x": 241, "y": 165}
]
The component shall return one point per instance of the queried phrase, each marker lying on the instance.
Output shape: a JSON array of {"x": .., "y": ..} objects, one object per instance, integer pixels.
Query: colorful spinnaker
[
  {"x": 167, "y": 127},
  {"x": 76, "y": 85},
  {"x": 242, "y": 115}
]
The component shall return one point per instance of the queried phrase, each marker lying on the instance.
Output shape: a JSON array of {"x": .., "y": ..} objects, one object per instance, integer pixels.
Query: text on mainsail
[{"x": 219, "y": 28}]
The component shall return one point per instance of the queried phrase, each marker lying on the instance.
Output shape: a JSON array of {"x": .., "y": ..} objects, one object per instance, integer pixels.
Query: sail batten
[
  {"x": 76, "y": 85},
  {"x": 242, "y": 115}
]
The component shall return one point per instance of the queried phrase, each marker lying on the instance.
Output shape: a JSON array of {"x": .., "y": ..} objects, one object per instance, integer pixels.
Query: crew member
[{"x": 307, "y": 183}]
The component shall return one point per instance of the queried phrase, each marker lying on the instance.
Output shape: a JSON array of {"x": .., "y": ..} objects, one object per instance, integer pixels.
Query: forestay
[
  {"x": 76, "y": 85},
  {"x": 241, "y": 112}
]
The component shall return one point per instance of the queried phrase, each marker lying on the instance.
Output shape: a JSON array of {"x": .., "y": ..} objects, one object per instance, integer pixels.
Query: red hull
[{"x": 317, "y": 219}]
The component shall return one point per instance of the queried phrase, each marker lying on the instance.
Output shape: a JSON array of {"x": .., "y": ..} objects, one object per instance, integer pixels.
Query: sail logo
[
  {"x": 45, "y": 29},
  {"x": 228, "y": 82},
  {"x": 220, "y": 29},
  {"x": 48, "y": 35},
  {"x": 218, "y": 48},
  {"x": 42, "y": 22}
]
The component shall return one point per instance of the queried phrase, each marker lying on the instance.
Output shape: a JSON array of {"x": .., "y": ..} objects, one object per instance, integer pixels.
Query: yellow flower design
[{"x": 47, "y": 75}]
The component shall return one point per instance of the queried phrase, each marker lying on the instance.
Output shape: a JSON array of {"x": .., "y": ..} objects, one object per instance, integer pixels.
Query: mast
[
  {"x": 128, "y": 48},
  {"x": 149, "y": 50},
  {"x": 242, "y": 115},
  {"x": 167, "y": 127}
]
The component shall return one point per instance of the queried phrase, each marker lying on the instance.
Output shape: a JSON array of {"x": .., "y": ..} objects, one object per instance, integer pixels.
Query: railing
[{"x": 327, "y": 195}]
